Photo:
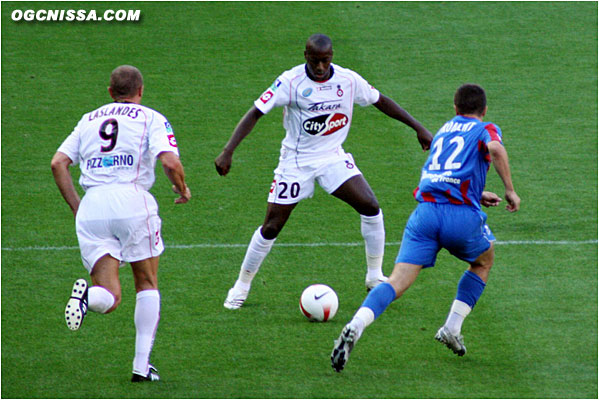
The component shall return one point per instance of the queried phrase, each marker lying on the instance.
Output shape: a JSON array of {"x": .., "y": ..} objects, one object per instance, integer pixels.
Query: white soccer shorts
[
  {"x": 120, "y": 220},
  {"x": 294, "y": 178}
]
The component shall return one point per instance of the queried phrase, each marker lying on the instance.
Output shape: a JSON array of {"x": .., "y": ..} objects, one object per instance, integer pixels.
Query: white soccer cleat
[
  {"x": 152, "y": 375},
  {"x": 343, "y": 346},
  {"x": 372, "y": 283},
  {"x": 235, "y": 298},
  {"x": 453, "y": 342},
  {"x": 77, "y": 305}
]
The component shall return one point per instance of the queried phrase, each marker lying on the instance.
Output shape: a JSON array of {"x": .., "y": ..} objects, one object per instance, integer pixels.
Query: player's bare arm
[
  {"x": 393, "y": 110},
  {"x": 500, "y": 161},
  {"x": 244, "y": 127},
  {"x": 174, "y": 171},
  {"x": 60, "y": 169}
]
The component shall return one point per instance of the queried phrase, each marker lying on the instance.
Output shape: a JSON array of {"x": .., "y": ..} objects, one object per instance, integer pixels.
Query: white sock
[
  {"x": 362, "y": 318},
  {"x": 147, "y": 315},
  {"x": 255, "y": 254},
  {"x": 459, "y": 310},
  {"x": 99, "y": 299},
  {"x": 373, "y": 231}
]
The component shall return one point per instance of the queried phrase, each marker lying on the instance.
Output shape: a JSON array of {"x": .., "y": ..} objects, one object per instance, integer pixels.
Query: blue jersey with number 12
[{"x": 456, "y": 169}]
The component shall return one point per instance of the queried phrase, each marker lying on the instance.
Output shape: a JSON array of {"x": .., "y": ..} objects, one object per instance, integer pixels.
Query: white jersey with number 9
[{"x": 118, "y": 144}]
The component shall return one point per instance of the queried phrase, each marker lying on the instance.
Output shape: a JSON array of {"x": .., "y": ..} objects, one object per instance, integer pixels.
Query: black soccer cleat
[{"x": 343, "y": 346}]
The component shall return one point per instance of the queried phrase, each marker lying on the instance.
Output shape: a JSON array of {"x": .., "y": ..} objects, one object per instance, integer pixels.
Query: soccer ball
[{"x": 319, "y": 303}]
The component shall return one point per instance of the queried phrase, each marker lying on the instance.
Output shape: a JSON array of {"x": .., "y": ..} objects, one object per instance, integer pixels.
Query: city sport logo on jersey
[{"x": 326, "y": 124}]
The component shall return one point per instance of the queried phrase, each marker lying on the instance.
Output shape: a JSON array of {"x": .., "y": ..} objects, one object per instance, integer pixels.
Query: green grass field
[{"x": 532, "y": 335}]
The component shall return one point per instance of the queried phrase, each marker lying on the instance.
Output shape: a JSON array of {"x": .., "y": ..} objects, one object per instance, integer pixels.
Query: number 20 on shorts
[{"x": 286, "y": 190}]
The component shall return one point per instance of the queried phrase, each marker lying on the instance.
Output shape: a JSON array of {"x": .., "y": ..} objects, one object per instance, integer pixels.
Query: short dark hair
[
  {"x": 319, "y": 41},
  {"x": 470, "y": 99},
  {"x": 125, "y": 81}
]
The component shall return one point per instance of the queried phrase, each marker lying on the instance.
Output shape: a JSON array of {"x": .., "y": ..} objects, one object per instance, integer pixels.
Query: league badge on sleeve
[
  {"x": 170, "y": 136},
  {"x": 266, "y": 96}
]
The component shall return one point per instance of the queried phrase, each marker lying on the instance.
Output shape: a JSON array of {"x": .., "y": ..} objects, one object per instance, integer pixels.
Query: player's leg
[
  {"x": 377, "y": 301},
  {"x": 470, "y": 288},
  {"x": 259, "y": 247},
  {"x": 139, "y": 232},
  {"x": 102, "y": 297},
  {"x": 483, "y": 264},
  {"x": 105, "y": 294},
  {"x": 147, "y": 316},
  {"x": 357, "y": 193},
  {"x": 100, "y": 251},
  {"x": 418, "y": 249},
  {"x": 375, "y": 304},
  {"x": 290, "y": 185},
  {"x": 275, "y": 219},
  {"x": 469, "y": 239}
]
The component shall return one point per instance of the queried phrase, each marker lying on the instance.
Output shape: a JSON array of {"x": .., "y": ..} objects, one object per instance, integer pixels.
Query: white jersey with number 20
[
  {"x": 317, "y": 115},
  {"x": 118, "y": 144}
]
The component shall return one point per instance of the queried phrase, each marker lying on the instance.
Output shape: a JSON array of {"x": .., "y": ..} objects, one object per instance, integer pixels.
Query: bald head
[
  {"x": 125, "y": 82},
  {"x": 318, "y": 55},
  {"x": 319, "y": 43}
]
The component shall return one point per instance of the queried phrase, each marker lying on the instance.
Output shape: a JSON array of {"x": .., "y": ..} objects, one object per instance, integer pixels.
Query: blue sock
[
  {"x": 379, "y": 298},
  {"x": 470, "y": 288}
]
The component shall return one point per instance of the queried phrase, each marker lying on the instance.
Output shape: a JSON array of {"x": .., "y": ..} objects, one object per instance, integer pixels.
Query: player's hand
[
  {"x": 425, "y": 138},
  {"x": 183, "y": 196},
  {"x": 223, "y": 163},
  {"x": 490, "y": 199},
  {"x": 513, "y": 201}
]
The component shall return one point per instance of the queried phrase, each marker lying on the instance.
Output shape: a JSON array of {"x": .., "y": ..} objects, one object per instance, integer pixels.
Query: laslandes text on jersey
[{"x": 123, "y": 109}]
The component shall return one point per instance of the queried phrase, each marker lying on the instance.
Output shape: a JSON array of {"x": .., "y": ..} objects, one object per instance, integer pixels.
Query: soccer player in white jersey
[
  {"x": 318, "y": 99},
  {"x": 116, "y": 147}
]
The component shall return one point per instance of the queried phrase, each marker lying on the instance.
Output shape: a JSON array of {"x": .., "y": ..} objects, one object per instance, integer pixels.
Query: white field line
[{"x": 244, "y": 245}]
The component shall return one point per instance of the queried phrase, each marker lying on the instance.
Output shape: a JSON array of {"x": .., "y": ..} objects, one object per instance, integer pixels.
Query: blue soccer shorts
[{"x": 462, "y": 230}]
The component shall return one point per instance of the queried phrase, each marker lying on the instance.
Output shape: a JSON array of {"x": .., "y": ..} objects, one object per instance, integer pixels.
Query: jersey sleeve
[
  {"x": 161, "y": 135},
  {"x": 276, "y": 95},
  {"x": 365, "y": 93},
  {"x": 491, "y": 132},
  {"x": 70, "y": 146}
]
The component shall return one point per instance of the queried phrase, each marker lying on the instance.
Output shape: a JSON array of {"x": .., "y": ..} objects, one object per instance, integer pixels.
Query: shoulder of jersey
[
  {"x": 343, "y": 71},
  {"x": 493, "y": 127},
  {"x": 148, "y": 111},
  {"x": 294, "y": 72},
  {"x": 98, "y": 108},
  {"x": 151, "y": 110}
]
